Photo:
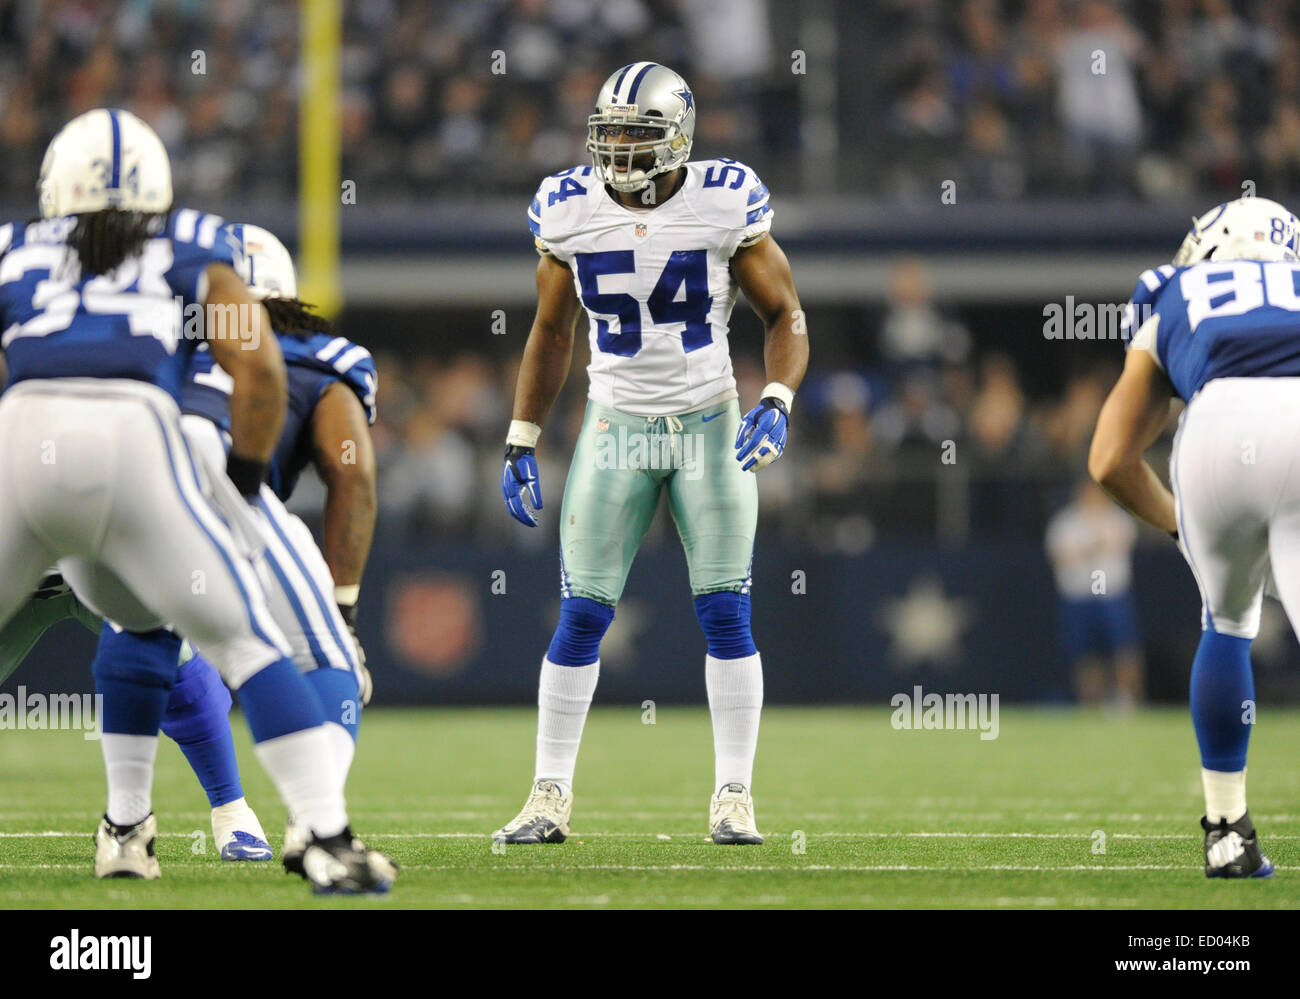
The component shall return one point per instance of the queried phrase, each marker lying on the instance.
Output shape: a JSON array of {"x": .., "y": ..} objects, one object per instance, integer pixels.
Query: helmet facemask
[{"x": 651, "y": 135}]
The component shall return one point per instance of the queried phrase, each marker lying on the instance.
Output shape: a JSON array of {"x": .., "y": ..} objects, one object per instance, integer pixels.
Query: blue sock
[
  {"x": 134, "y": 674},
  {"x": 198, "y": 719},
  {"x": 278, "y": 701},
  {"x": 339, "y": 695},
  {"x": 1221, "y": 681}
]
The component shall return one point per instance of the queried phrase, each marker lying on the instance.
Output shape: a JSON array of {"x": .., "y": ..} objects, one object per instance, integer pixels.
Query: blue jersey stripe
[
  {"x": 757, "y": 214},
  {"x": 758, "y": 194},
  {"x": 198, "y": 519},
  {"x": 344, "y": 648}
]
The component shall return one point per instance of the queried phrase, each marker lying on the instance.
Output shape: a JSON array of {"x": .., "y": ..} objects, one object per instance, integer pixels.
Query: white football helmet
[
  {"x": 1245, "y": 229},
  {"x": 266, "y": 266},
  {"x": 654, "y": 107},
  {"x": 105, "y": 158}
]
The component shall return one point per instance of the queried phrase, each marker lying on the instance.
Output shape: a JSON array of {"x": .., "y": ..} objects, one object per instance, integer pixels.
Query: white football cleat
[
  {"x": 544, "y": 819},
  {"x": 731, "y": 817},
  {"x": 127, "y": 851},
  {"x": 238, "y": 834}
]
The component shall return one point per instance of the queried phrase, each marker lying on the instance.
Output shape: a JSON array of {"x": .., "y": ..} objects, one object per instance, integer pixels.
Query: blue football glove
[
  {"x": 519, "y": 484},
  {"x": 761, "y": 437}
]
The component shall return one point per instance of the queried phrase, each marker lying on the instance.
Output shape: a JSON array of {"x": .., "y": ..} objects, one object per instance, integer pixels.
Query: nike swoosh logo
[{"x": 706, "y": 419}]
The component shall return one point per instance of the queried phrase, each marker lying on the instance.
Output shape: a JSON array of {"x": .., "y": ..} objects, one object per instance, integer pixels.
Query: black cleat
[
  {"x": 342, "y": 865},
  {"x": 1232, "y": 851}
]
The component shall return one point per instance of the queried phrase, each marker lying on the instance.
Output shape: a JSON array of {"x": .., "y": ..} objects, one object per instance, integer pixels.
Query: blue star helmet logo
[{"x": 686, "y": 97}]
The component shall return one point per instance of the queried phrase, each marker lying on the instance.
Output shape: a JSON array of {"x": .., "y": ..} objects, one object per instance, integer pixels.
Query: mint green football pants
[
  {"x": 33, "y": 620},
  {"x": 620, "y": 466}
]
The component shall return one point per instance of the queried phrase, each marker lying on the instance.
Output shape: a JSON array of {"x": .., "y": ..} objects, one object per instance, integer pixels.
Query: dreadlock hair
[
  {"x": 293, "y": 317},
  {"x": 105, "y": 238}
]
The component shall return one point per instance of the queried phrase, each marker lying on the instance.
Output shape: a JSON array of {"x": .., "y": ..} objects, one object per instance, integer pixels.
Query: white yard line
[
  {"x": 700, "y": 834},
  {"x": 723, "y": 869}
]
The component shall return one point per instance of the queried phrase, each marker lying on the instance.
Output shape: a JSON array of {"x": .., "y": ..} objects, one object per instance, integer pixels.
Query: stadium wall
[{"x": 451, "y": 624}]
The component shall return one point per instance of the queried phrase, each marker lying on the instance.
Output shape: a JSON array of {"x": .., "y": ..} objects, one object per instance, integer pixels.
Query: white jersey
[{"x": 655, "y": 281}]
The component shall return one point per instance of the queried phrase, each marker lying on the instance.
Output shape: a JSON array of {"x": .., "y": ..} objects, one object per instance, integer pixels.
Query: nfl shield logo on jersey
[
  {"x": 602, "y": 425},
  {"x": 640, "y": 230}
]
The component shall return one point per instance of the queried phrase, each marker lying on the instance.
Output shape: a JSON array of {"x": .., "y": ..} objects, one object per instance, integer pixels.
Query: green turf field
[{"x": 886, "y": 818}]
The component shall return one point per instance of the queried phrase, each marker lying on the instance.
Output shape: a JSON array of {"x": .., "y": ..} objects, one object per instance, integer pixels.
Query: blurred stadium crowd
[{"x": 465, "y": 97}]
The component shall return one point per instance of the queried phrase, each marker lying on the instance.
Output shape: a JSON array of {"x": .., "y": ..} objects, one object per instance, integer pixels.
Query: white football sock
[
  {"x": 344, "y": 749},
  {"x": 302, "y": 767},
  {"x": 128, "y": 763},
  {"x": 735, "y": 701},
  {"x": 1225, "y": 795},
  {"x": 563, "y": 699}
]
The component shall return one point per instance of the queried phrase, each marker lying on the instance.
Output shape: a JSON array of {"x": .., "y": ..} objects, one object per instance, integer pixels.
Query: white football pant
[
  {"x": 1236, "y": 480},
  {"x": 95, "y": 474}
]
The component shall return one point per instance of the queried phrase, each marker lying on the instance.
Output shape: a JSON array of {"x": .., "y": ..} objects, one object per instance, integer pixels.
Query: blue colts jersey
[
  {"x": 1227, "y": 319},
  {"x": 129, "y": 323},
  {"x": 313, "y": 364}
]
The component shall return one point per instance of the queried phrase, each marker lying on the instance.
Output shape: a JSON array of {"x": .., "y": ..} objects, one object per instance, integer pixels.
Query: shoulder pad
[
  {"x": 202, "y": 229},
  {"x": 350, "y": 363},
  {"x": 561, "y": 201},
  {"x": 1149, "y": 286},
  {"x": 732, "y": 195}
]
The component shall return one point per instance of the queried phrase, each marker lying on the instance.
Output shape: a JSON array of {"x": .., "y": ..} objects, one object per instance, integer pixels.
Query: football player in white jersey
[{"x": 655, "y": 249}]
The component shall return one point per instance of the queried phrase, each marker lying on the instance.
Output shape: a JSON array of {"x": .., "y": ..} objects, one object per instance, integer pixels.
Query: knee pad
[
  {"x": 147, "y": 658},
  {"x": 583, "y": 624},
  {"x": 199, "y": 706},
  {"x": 724, "y": 617},
  {"x": 340, "y": 695}
]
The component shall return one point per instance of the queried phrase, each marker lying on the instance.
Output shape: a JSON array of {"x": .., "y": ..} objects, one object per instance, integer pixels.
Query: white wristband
[
  {"x": 523, "y": 434},
  {"x": 779, "y": 390},
  {"x": 347, "y": 595}
]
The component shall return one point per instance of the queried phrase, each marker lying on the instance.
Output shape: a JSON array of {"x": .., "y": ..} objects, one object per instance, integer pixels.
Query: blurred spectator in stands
[
  {"x": 994, "y": 165},
  {"x": 1090, "y": 545},
  {"x": 1070, "y": 424},
  {"x": 842, "y": 471},
  {"x": 431, "y": 481},
  {"x": 916, "y": 421},
  {"x": 997, "y": 416},
  {"x": 1098, "y": 97},
  {"x": 982, "y": 66},
  {"x": 914, "y": 333},
  {"x": 1215, "y": 151}
]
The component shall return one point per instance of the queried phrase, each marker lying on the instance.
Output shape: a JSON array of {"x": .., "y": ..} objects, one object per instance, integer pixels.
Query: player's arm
[
  {"x": 763, "y": 274},
  {"x": 545, "y": 365},
  {"x": 549, "y": 350},
  {"x": 252, "y": 359},
  {"x": 1130, "y": 422},
  {"x": 344, "y": 455}
]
